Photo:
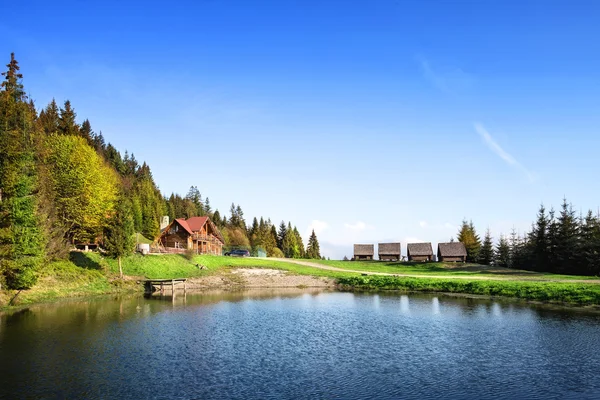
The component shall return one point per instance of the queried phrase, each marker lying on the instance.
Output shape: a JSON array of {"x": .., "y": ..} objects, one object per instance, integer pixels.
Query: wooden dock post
[{"x": 162, "y": 289}]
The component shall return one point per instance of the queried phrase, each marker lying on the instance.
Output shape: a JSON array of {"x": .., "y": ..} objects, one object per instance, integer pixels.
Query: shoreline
[{"x": 241, "y": 279}]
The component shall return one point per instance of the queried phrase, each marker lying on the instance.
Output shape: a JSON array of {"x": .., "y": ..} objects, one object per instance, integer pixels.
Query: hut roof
[
  {"x": 419, "y": 249},
  {"x": 364, "y": 249},
  {"x": 196, "y": 223},
  {"x": 452, "y": 249},
  {"x": 183, "y": 223},
  {"x": 389, "y": 248}
]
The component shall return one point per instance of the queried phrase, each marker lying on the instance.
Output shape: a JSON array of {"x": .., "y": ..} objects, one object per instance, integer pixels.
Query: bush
[
  {"x": 189, "y": 254},
  {"x": 276, "y": 253}
]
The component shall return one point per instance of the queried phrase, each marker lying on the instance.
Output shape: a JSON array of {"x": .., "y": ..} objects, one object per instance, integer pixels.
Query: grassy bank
[
  {"x": 552, "y": 292},
  {"x": 446, "y": 269},
  {"x": 87, "y": 274}
]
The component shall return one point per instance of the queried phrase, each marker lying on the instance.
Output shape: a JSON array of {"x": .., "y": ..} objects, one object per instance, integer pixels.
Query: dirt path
[{"x": 486, "y": 278}]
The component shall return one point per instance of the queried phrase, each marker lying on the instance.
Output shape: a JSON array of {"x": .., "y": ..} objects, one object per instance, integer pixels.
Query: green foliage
[
  {"x": 471, "y": 240},
  {"x": 580, "y": 294},
  {"x": 502, "y": 254},
  {"x": 66, "y": 123},
  {"x": 85, "y": 188},
  {"x": 119, "y": 239},
  {"x": 21, "y": 237},
  {"x": 486, "y": 254},
  {"x": 312, "y": 250}
]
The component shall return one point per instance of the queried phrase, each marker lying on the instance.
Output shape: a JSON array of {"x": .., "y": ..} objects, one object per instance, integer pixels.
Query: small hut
[
  {"x": 419, "y": 252},
  {"x": 452, "y": 252},
  {"x": 389, "y": 251},
  {"x": 364, "y": 251}
]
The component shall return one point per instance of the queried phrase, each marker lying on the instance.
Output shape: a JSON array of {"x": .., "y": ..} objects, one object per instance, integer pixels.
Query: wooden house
[
  {"x": 419, "y": 252},
  {"x": 389, "y": 251},
  {"x": 452, "y": 252},
  {"x": 364, "y": 251},
  {"x": 197, "y": 233}
]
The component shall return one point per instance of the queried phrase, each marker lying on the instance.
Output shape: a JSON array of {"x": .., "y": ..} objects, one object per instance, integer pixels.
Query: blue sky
[{"x": 369, "y": 122}]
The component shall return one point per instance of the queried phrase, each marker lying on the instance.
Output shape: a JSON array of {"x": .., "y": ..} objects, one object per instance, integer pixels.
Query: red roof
[
  {"x": 184, "y": 224},
  {"x": 196, "y": 223}
]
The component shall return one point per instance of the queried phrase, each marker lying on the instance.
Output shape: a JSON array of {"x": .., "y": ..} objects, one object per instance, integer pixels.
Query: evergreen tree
[
  {"x": 119, "y": 233},
  {"x": 538, "y": 242},
  {"x": 21, "y": 237},
  {"x": 471, "y": 240},
  {"x": 300, "y": 253},
  {"x": 281, "y": 235},
  {"x": 99, "y": 143},
  {"x": 67, "y": 124},
  {"x": 290, "y": 244},
  {"x": 86, "y": 132},
  {"x": 312, "y": 250},
  {"x": 502, "y": 254},
  {"x": 207, "y": 208},
  {"x": 568, "y": 237},
  {"x": 217, "y": 219},
  {"x": 486, "y": 254},
  {"x": 195, "y": 198},
  {"x": 12, "y": 85},
  {"x": 49, "y": 118}
]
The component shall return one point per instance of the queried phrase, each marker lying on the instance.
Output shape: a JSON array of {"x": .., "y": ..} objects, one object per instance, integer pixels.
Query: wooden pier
[{"x": 152, "y": 285}]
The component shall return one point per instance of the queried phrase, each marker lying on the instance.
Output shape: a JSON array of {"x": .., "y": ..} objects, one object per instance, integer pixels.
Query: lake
[{"x": 299, "y": 344}]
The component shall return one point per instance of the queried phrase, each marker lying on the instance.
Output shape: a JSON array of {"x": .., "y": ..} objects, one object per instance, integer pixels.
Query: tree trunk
[{"x": 120, "y": 268}]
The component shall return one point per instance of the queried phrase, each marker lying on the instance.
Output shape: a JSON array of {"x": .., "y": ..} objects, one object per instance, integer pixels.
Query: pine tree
[
  {"x": 207, "y": 208},
  {"x": 312, "y": 250},
  {"x": 471, "y": 240},
  {"x": 12, "y": 85},
  {"x": 21, "y": 237},
  {"x": 119, "y": 233},
  {"x": 290, "y": 245},
  {"x": 217, "y": 219},
  {"x": 486, "y": 254},
  {"x": 568, "y": 237},
  {"x": 86, "y": 132},
  {"x": 281, "y": 235},
  {"x": 538, "y": 242},
  {"x": 67, "y": 124},
  {"x": 195, "y": 198},
  {"x": 502, "y": 254},
  {"x": 49, "y": 118},
  {"x": 300, "y": 253}
]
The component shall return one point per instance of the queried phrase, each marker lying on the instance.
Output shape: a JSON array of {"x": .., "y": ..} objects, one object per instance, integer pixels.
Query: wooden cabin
[
  {"x": 419, "y": 252},
  {"x": 364, "y": 252},
  {"x": 452, "y": 252},
  {"x": 197, "y": 233},
  {"x": 389, "y": 251}
]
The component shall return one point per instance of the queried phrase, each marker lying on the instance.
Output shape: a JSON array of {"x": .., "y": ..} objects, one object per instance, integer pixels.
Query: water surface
[{"x": 298, "y": 344}]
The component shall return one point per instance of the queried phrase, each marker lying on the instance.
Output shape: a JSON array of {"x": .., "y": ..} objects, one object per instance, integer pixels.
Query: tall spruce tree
[
  {"x": 119, "y": 233},
  {"x": 281, "y": 235},
  {"x": 486, "y": 254},
  {"x": 502, "y": 254},
  {"x": 312, "y": 250},
  {"x": 568, "y": 237},
  {"x": 538, "y": 242},
  {"x": 21, "y": 237},
  {"x": 67, "y": 124}
]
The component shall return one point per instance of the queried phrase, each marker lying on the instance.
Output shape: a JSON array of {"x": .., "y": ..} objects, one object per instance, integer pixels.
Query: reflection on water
[{"x": 293, "y": 343}]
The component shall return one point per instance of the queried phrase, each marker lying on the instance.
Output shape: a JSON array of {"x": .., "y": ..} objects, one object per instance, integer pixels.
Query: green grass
[
  {"x": 447, "y": 269},
  {"x": 86, "y": 274},
  {"x": 554, "y": 292},
  {"x": 62, "y": 279}
]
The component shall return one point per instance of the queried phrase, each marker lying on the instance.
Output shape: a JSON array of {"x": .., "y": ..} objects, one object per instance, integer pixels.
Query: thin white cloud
[
  {"x": 423, "y": 224},
  {"x": 500, "y": 152}
]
